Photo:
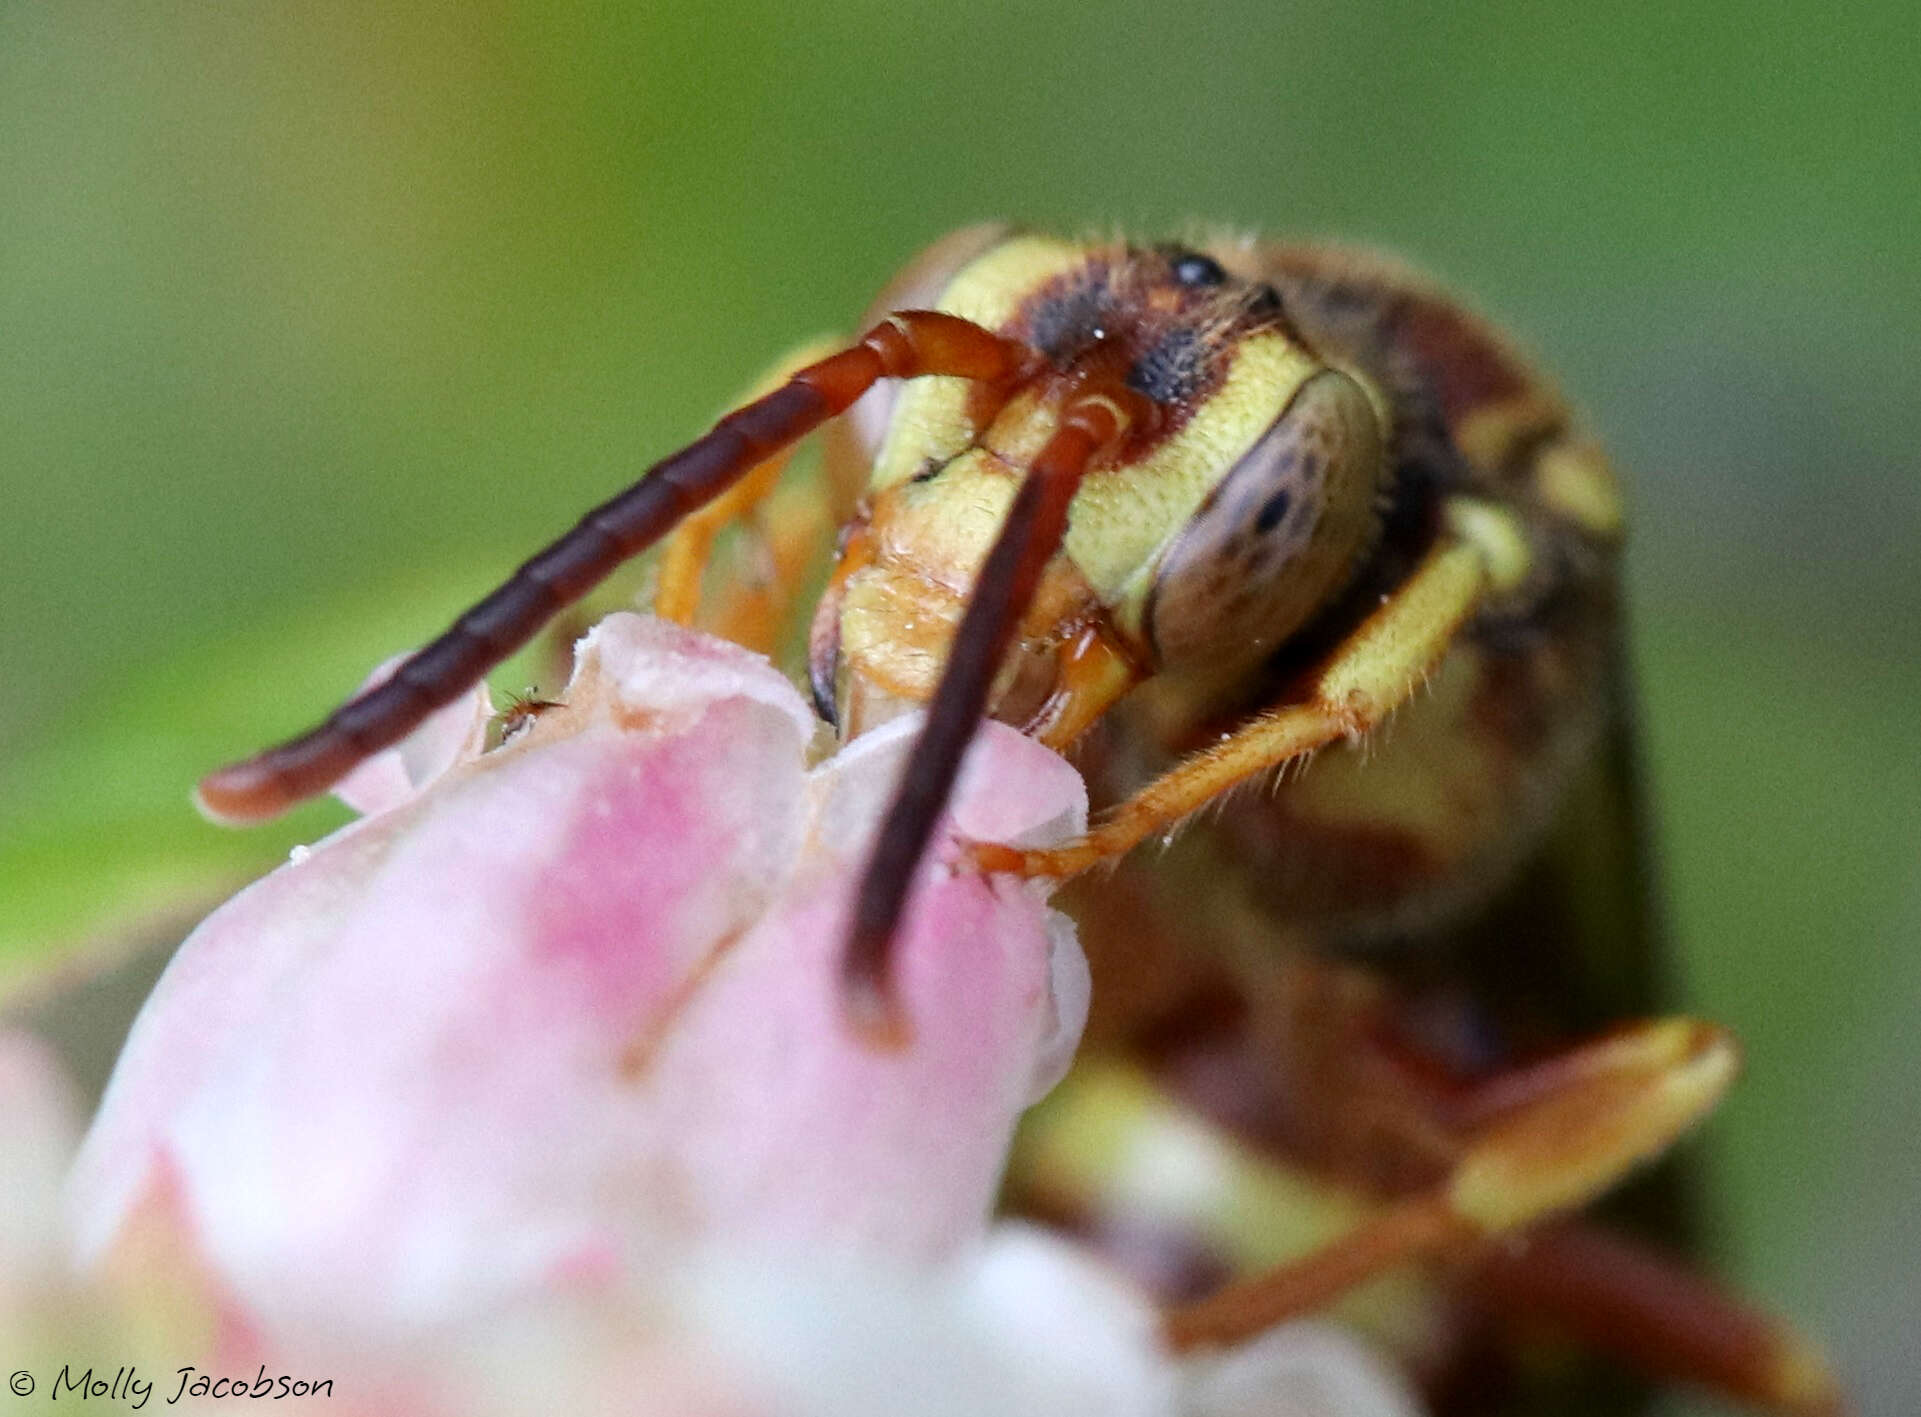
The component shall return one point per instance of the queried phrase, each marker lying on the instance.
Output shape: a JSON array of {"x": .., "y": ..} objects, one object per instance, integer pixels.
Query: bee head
[{"x": 1196, "y": 545}]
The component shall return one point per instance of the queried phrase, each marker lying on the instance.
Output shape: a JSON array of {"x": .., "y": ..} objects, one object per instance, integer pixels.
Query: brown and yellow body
[
  {"x": 1188, "y": 596},
  {"x": 1420, "y": 881},
  {"x": 1317, "y": 583},
  {"x": 1423, "y": 424}
]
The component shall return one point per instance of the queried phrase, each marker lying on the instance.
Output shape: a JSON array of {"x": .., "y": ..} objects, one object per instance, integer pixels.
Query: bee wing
[{"x": 1589, "y": 897}]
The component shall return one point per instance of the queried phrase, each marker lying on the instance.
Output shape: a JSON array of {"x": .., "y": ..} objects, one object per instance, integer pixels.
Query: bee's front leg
[{"x": 1374, "y": 671}]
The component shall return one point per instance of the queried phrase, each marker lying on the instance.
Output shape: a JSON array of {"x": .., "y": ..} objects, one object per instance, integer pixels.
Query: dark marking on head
[
  {"x": 1066, "y": 320},
  {"x": 1172, "y": 369},
  {"x": 1273, "y": 510},
  {"x": 1166, "y": 319}
]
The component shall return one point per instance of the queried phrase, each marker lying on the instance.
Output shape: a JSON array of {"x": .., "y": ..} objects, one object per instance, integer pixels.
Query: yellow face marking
[
  {"x": 1122, "y": 521},
  {"x": 930, "y": 415},
  {"x": 1124, "y": 517}
]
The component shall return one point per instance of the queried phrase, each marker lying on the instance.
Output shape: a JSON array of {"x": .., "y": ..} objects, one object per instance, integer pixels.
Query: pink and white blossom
[
  {"x": 532, "y": 1090},
  {"x": 573, "y": 1008}
]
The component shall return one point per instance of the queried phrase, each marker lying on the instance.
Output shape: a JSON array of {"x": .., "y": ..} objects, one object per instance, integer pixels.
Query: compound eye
[
  {"x": 1278, "y": 536},
  {"x": 918, "y": 286},
  {"x": 1190, "y": 268}
]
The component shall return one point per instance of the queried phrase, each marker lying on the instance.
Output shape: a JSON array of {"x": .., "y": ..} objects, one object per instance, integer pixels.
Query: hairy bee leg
[
  {"x": 1655, "y": 1315},
  {"x": 684, "y": 559},
  {"x": 1374, "y": 672},
  {"x": 785, "y": 541},
  {"x": 1626, "y": 1100}
]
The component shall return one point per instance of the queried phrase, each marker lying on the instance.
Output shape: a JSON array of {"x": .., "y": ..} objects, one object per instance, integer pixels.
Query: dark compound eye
[{"x": 1193, "y": 269}]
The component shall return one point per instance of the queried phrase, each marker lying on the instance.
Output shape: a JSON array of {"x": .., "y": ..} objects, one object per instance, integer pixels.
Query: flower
[
  {"x": 573, "y": 1006},
  {"x": 1018, "y": 1324},
  {"x": 533, "y": 1088},
  {"x": 37, "y": 1113}
]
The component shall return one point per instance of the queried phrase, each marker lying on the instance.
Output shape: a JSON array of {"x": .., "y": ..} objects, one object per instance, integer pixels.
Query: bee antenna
[
  {"x": 1094, "y": 420},
  {"x": 903, "y": 346}
]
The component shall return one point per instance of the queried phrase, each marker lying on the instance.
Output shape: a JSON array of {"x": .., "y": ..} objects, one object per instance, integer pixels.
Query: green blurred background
[{"x": 313, "y": 318}]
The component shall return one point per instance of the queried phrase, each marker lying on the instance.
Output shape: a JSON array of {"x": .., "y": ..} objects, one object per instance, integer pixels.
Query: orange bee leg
[
  {"x": 1375, "y": 671},
  {"x": 684, "y": 559}
]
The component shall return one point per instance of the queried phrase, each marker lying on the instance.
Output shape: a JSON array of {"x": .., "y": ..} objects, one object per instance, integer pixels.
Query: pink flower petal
[
  {"x": 573, "y": 1008},
  {"x": 39, "y": 1124}
]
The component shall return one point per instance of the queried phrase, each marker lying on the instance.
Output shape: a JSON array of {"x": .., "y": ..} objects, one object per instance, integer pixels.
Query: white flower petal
[
  {"x": 576, "y": 1007},
  {"x": 1303, "y": 1369}
]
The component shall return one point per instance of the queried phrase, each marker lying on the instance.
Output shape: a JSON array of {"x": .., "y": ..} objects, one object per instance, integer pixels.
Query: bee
[{"x": 1315, "y": 579}]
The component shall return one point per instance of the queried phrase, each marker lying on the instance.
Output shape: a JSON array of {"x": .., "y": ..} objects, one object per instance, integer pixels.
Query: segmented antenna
[{"x": 904, "y": 346}]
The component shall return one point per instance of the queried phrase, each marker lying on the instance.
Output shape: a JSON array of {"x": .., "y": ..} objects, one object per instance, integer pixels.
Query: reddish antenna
[{"x": 904, "y": 346}]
